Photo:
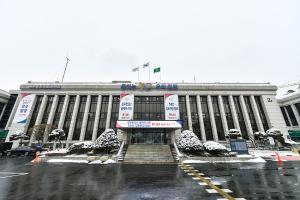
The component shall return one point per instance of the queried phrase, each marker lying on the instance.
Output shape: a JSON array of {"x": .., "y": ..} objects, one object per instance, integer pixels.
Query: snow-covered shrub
[
  {"x": 215, "y": 148},
  {"x": 57, "y": 135},
  {"x": 188, "y": 142},
  {"x": 81, "y": 147},
  {"x": 259, "y": 135},
  {"x": 107, "y": 141},
  {"x": 276, "y": 135},
  {"x": 19, "y": 135},
  {"x": 233, "y": 134}
]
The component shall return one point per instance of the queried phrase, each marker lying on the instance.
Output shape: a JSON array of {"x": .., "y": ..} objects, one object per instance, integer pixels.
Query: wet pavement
[{"x": 22, "y": 180}]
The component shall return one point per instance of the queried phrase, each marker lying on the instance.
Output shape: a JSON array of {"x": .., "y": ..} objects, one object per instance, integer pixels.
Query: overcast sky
[{"x": 215, "y": 41}]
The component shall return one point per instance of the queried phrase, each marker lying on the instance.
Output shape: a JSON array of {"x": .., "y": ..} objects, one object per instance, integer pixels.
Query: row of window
[
  {"x": 289, "y": 115},
  {"x": 147, "y": 108}
]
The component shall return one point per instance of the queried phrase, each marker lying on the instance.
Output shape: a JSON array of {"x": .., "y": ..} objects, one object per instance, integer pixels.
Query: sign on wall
[
  {"x": 148, "y": 124},
  {"x": 171, "y": 107},
  {"x": 24, "y": 108},
  {"x": 126, "y": 106}
]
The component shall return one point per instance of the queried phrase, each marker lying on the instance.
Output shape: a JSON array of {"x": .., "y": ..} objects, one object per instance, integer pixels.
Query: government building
[{"x": 146, "y": 113}]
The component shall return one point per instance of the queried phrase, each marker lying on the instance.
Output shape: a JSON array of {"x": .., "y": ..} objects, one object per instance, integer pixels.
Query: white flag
[{"x": 135, "y": 69}]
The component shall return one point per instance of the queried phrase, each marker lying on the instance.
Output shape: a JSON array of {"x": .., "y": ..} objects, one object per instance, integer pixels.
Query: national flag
[
  {"x": 156, "y": 70},
  {"x": 146, "y": 65},
  {"x": 135, "y": 69}
]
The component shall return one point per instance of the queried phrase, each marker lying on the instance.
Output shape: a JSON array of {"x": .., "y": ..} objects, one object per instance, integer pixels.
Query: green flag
[{"x": 156, "y": 70}]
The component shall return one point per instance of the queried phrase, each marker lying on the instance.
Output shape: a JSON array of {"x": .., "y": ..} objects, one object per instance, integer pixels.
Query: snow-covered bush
[
  {"x": 260, "y": 135},
  {"x": 272, "y": 132},
  {"x": 107, "y": 141},
  {"x": 57, "y": 135},
  {"x": 188, "y": 142},
  {"x": 19, "y": 135},
  {"x": 233, "y": 134},
  {"x": 81, "y": 147},
  {"x": 215, "y": 148}
]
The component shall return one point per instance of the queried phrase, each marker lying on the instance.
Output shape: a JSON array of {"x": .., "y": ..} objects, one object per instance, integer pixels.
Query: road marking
[
  {"x": 12, "y": 174},
  {"x": 214, "y": 188}
]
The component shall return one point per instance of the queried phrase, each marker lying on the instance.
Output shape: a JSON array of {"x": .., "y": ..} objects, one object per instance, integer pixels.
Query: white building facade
[
  {"x": 288, "y": 99},
  {"x": 150, "y": 112}
]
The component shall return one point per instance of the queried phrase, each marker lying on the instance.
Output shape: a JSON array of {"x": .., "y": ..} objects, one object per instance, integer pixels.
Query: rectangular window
[
  {"x": 114, "y": 112},
  {"x": 183, "y": 112},
  {"x": 58, "y": 110},
  {"x": 240, "y": 117},
  {"x": 218, "y": 118},
  {"x": 91, "y": 118},
  {"x": 250, "y": 113},
  {"x": 35, "y": 114},
  {"x": 228, "y": 113},
  {"x": 47, "y": 110},
  {"x": 286, "y": 119},
  {"x": 297, "y": 105},
  {"x": 79, "y": 120},
  {"x": 195, "y": 117},
  {"x": 206, "y": 118},
  {"x": 149, "y": 108},
  {"x": 69, "y": 114},
  {"x": 103, "y": 115},
  {"x": 9, "y": 106},
  {"x": 261, "y": 112},
  {"x": 292, "y": 115}
]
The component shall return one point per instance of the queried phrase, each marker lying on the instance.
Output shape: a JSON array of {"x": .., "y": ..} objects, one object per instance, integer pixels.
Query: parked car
[{"x": 24, "y": 150}]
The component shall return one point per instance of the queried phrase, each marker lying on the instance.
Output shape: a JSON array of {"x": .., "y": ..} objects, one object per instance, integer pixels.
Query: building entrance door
[{"x": 148, "y": 136}]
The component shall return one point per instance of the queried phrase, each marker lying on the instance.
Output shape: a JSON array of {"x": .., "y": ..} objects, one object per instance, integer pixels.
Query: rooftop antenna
[{"x": 62, "y": 80}]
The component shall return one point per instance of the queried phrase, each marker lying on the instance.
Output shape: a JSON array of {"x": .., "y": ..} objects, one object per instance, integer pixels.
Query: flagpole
[
  {"x": 149, "y": 74},
  {"x": 138, "y": 74},
  {"x": 160, "y": 74}
]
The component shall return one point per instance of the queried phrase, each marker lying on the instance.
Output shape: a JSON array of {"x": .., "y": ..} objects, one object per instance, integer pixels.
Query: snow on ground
[
  {"x": 56, "y": 151},
  {"x": 76, "y": 156},
  {"x": 95, "y": 162},
  {"x": 109, "y": 161},
  {"x": 67, "y": 161},
  {"x": 253, "y": 160}
]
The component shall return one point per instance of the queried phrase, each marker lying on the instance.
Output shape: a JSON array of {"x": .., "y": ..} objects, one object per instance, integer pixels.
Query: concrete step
[{"x": 148, "y": 153}]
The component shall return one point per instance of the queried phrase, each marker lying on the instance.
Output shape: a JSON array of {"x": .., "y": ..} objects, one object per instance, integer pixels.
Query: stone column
[
  {"x": 13, "y": 112},
  {"x": 256, "y": 113},
  {"x": 188, "y": 110},
  {"x": 223, "y": 116},
  {"x": 212, "y": 119},
  {"x": 297, "y": 115},
  {"x": 288, "y": 116},
  {"x": 107, "y": 125},
  {"x": 39, "y": 116},
  {"x": 234, "y": 114},
  {"x": 97, "y": 117},
  {"x": 85, "y": 118},
  {"x": 73, "y": 120},
  {"x": 51, "y": 116},
  {"x": 246, "y": 117},
  {"x": 202, "y": 129},
  {"x": 63, "y": 112}
]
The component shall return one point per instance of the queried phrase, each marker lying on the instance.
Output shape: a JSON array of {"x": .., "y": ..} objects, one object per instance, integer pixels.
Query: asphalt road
[{"x": 21, "y": 180}]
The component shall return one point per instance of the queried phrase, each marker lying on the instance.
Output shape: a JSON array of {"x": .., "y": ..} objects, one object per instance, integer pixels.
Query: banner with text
[
  {"x": 171, "y": 107},
  {"x": 24, "y": 108},
  {"x": 126, "y": 106},
  {"x": 148, "y": 124}
]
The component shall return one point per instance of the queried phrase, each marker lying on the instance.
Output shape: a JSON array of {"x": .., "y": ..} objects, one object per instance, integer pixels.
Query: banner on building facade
[
  {"x": 126, "y": 106},
  {"x": 171, "y": 107},
  {"x": 148, "y": 124},
  {"x": 24, "y": 108}
]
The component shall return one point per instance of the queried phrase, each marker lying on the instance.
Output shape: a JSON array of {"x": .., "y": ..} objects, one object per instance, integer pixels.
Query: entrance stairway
[{"x": 148, "y": 153}]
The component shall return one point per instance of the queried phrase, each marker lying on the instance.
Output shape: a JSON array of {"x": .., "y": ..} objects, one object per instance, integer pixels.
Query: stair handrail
[
  {"x": 177, "y": 151},
  {"x": 121, "y": 149}
]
